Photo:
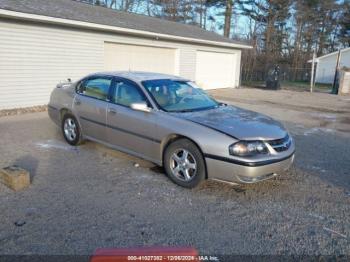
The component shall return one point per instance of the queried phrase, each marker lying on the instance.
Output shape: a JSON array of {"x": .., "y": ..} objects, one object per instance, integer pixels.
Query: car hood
[{"x": 237, "y": 122}]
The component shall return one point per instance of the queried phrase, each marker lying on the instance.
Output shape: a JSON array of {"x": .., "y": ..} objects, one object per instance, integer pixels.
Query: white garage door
[
  {"x": 122, "y": 57},
  {"x": 215, "y": 70}
]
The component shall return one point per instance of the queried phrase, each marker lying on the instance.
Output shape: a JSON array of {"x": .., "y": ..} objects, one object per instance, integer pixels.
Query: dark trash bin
[{"x": 273, "y": 78}]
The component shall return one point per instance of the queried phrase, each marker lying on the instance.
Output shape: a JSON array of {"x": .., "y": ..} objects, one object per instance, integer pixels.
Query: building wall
[
  {"x": 326, "y": 67},
  {"x": 35, "y": 57}
]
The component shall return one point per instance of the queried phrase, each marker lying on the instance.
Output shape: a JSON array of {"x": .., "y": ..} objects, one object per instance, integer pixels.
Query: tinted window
[
  {"x": 96, "y": 87},
  {"x": 127, "y": 93}
]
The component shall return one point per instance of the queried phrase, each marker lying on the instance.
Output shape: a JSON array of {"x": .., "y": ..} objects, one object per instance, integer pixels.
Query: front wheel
[
  {"x": 184, "y": 163},
  {"x": 71, "y": 130}
]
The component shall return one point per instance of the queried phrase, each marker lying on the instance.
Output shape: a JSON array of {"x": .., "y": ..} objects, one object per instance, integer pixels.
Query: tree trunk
[
  {"x": 113, "y": 3},
  {"x": 205, "y": 17},
  {"x": 201, "y": 14},
  {"x": 297, "y": 48},
  {"x": 228, "y": 18}
]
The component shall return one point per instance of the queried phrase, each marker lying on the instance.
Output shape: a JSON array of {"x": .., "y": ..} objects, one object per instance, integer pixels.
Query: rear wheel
[
  {"x": 71, "y": 130},
  {"x": 184, "y": 163}
]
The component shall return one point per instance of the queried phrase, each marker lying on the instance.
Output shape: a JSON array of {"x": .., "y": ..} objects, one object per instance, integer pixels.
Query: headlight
[{"x": 248, "y": 148}]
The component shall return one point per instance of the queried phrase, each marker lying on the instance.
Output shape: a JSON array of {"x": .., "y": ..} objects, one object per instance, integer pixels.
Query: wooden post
[
  {"x": 15, "y": 177},
  {"x": 313, "y": 71},
  {"x": 334, "y": 91}
]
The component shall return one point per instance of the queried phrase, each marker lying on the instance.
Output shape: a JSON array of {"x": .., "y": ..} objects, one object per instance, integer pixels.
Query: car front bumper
[{"x": 225, "y": 171}]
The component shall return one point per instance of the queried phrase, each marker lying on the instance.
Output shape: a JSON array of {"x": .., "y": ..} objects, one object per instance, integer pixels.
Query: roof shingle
[{"x": 73, "y": 10}]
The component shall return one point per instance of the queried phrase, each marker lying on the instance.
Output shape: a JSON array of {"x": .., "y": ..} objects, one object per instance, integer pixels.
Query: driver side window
[{"x": 127, "y": 94}]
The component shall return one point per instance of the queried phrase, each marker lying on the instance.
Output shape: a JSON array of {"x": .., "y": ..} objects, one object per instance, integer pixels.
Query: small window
[
  {"x": 127, "y": 94},
  {"x": 96, "y": 88}
]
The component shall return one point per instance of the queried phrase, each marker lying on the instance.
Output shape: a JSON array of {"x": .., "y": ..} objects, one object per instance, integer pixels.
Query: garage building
[
  {"x": 326, "y": 65},
  {"x": 44, "y": 42}
]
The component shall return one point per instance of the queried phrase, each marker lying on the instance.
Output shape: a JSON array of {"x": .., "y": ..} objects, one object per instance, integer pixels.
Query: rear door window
[{"x": 96, "y": 87}]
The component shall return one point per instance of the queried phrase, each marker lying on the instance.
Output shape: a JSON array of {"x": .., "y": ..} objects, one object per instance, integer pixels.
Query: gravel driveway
[{"x": 90, "y": 196}]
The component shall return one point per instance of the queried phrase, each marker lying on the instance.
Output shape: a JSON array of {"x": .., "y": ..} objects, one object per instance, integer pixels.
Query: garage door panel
[
  {"x": 215, "y": 70},
  {"x": 139, "y": 58}
]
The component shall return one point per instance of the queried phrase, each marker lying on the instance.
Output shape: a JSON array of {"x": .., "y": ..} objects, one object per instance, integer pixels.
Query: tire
[
  {"x": 185, "y": 169},
  {"x": 71, "y": 130}
]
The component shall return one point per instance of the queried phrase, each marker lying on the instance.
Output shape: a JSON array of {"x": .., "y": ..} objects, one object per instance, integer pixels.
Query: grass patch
[
  {"x": 302, "y": 85},
  {"x": 305, "y": 84}
]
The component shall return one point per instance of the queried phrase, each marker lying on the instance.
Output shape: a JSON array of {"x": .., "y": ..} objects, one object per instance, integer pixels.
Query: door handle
[
  {"x": 77, "y": 102},
  {"x": 112, "y": 111}
]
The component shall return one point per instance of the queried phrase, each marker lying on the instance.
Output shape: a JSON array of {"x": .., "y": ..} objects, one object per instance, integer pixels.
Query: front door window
[{"x": 127, "y": 94}]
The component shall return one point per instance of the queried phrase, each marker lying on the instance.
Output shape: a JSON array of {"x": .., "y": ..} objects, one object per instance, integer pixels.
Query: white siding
[
  {"x": 188, "y": 62},
  {"x": 123, "y": 57},
  {"x": 35, "y": 57},
  {"x": 326, "y": 67}
]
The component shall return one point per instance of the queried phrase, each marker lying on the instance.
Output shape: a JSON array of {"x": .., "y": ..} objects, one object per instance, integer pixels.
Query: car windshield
[{"x": 179, "y": 96}]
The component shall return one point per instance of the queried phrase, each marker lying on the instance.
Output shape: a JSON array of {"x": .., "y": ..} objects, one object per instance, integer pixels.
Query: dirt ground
[
  {"x": 310, "y": 110},
  {"x": 86, "y": 197}
]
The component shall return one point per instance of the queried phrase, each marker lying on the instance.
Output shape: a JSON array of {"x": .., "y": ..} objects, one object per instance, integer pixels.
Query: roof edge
[
  {"x": 75, "y": 23},
  {"x": 334, "y": 53}
]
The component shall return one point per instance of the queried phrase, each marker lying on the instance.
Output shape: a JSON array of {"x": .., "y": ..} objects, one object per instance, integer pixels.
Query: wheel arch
[
  {"x": 174, "y": 137},
  {"x": 66, "y": 111},
  {"x": 63, "y": 112}
]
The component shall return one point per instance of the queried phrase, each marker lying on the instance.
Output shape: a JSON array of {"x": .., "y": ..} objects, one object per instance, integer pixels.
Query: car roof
[{"x": 139, "y": 76}]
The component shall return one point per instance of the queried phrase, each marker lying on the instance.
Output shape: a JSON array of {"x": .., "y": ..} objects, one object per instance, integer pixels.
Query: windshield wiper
[
  {"x": 196, "y": 109},
  {"x": 185, "y": 111}
]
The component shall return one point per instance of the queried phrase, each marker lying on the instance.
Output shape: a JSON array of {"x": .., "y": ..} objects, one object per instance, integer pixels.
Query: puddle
[
  {"x": 318, "y": 169},
  {"x": 327, "y": 117},
  {"x": 55, "y": 144},
  {"x": 316, "y": 130}
]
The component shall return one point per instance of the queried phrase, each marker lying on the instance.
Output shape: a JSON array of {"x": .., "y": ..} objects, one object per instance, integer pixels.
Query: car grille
[{"x": 282, "y": 144}]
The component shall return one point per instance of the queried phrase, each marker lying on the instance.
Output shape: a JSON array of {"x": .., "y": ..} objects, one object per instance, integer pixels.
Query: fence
[{"x": 286, "y": 74}]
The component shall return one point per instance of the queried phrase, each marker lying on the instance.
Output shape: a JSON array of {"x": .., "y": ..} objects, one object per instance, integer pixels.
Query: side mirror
[{"x": 141, "y": 106}]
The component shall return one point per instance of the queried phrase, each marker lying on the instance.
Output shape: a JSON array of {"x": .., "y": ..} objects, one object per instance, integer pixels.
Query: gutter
[{"x": 74, "y": 23}]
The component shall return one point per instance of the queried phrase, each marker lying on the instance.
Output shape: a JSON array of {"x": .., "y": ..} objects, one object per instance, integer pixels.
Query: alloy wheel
[
  {"x": 183, "y": 165},
  {"x": 70, "y": 129}
]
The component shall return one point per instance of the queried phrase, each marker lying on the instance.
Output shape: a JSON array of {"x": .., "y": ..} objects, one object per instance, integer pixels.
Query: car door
[
  {"x": 90, "y": 105},
  {"x": 129, "y": 129}
]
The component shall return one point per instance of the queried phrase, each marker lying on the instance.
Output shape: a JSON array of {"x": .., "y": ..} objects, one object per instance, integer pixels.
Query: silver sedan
[{"x": 172, "y": 122}]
